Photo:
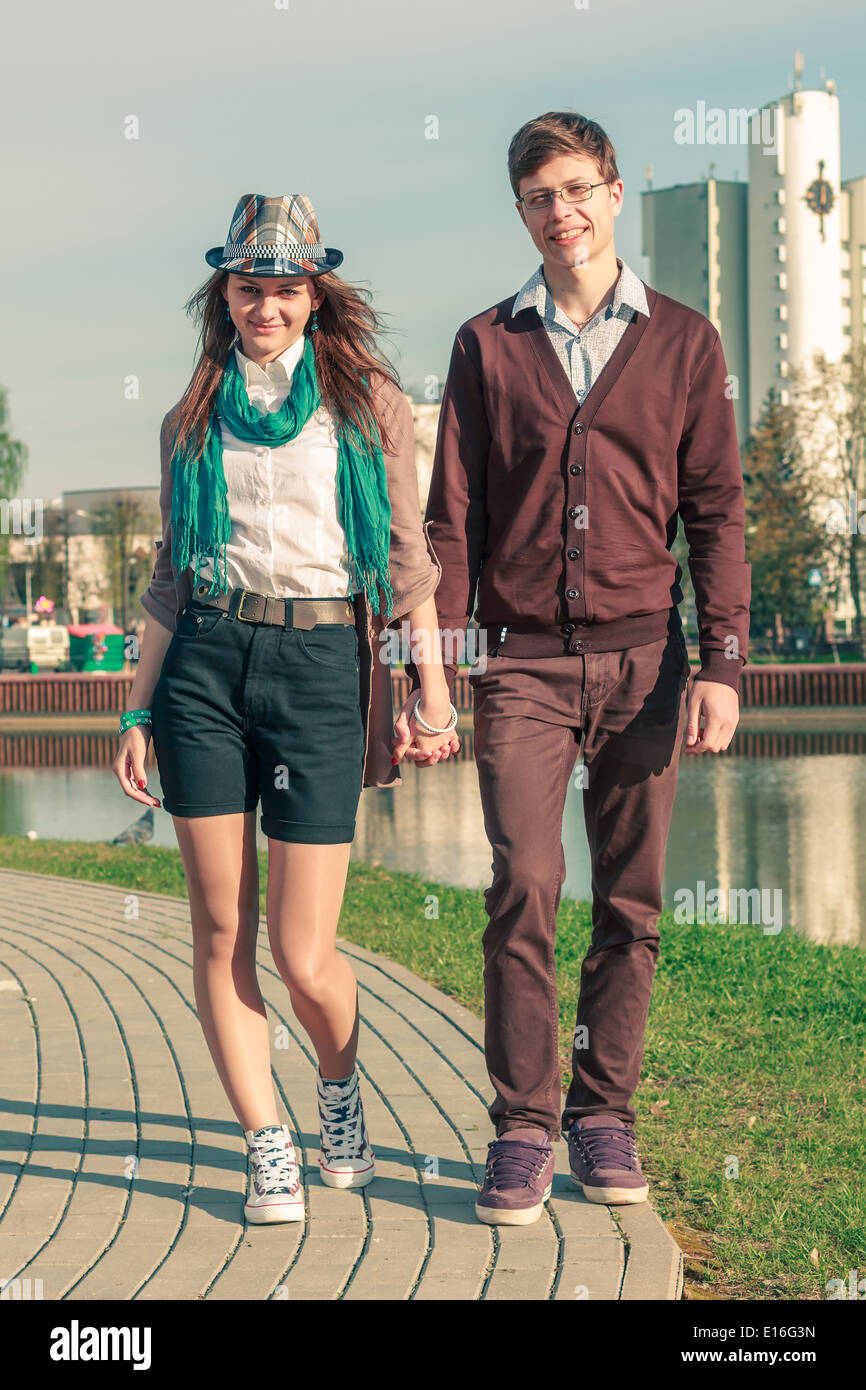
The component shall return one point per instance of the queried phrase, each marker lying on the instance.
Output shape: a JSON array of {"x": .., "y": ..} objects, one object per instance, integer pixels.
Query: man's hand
[{"x": 720, "y": 707}]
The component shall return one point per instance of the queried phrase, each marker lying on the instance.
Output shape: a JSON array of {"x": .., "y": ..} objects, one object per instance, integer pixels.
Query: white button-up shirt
[{"x": 286, "y": 537}]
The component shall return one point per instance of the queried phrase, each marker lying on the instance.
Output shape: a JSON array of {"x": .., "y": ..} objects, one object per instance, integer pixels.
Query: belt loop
[
  {"x": 288, "y": 615},
  {"x": 234, "y": 603}
]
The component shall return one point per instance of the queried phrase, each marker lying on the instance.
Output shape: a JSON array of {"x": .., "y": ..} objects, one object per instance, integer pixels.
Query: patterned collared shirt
[{"x": 584, "y": 352}]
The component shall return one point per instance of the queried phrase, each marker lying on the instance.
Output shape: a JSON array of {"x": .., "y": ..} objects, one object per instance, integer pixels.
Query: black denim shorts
[{"x": 247, "y": 710}]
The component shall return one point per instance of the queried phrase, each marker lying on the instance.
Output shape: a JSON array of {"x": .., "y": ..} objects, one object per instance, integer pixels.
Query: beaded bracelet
[
  {"x": 131, "y": 717},
  {"x": 429, "y": 728}
]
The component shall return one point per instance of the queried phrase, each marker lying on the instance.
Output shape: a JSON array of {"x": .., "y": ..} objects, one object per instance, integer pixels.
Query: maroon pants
[{"x": 530, "y": 712}]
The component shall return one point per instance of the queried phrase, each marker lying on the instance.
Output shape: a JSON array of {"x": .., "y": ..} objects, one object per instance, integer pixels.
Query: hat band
[{"x": 288, "y": 250}]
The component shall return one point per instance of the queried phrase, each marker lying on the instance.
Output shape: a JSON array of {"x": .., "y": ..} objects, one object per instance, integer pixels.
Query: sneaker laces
[
  {"x": 608, "y": 1146},
  {"x": 513, "y": 1163},
  {"x": 341, "y": 1117},
  {"x": 275, "y": 1168}
]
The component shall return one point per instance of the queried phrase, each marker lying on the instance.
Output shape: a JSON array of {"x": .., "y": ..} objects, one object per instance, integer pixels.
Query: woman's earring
[
  {"x": 228, "y": 312},
  {"x": 314, "y": 323}
]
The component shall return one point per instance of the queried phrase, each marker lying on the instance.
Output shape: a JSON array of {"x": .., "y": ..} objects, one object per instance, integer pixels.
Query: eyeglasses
[{"x": 572, "y": 193}]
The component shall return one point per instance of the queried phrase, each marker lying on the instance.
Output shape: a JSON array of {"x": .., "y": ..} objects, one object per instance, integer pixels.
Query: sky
[{"x": 103, "y": 237}]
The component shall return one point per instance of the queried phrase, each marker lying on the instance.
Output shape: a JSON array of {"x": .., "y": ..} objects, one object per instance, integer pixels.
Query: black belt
[{"x": 305, "y": 613}]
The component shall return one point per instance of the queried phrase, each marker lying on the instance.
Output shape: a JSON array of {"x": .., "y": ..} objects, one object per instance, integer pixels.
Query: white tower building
[{"x": 794, "y": 239}]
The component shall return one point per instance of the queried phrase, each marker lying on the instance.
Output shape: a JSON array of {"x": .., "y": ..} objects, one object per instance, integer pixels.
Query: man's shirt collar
[{"x": 629, "y": 295}]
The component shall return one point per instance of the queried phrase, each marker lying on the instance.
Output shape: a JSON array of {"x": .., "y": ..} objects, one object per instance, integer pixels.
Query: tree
[
  {"x": 13, "y": 457},
  {"x": 118, "y": 522},
  {"x": 830, "y": 410},
  {"x": 784, "y": 539}
]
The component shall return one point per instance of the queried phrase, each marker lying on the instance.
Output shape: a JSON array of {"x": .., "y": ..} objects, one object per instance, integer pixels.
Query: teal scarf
[{"x": 200, "y": 519}]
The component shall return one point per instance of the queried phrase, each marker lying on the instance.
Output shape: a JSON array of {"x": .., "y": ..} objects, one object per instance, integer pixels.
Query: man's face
[{"x": 571, "y": 234}]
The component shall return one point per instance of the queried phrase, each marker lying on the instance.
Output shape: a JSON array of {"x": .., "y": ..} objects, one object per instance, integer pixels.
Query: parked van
[{"x": 43, "y": 647}]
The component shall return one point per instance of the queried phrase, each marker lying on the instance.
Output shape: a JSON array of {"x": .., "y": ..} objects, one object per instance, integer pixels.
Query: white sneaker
[
  {"x": 345, "y": 1156},
  {"x": 275, "y": 1191}
]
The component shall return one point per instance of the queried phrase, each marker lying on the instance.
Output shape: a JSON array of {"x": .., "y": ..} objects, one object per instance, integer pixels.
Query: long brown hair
[{"x": 346, "y": 351}]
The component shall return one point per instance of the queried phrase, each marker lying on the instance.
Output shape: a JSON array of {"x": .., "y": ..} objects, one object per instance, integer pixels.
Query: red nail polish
[
  {"x": 394, "y": 760},
  {"x": 141, "y": 784}
]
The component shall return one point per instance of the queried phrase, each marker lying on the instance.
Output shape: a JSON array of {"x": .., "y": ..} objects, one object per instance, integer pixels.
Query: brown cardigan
[
  {"x": 414, "y": 569},
  {"x": 562, "y": 515}
]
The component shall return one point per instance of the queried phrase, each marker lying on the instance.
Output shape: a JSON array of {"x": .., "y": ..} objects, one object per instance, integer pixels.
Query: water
[{"x": 790, "y": 824}]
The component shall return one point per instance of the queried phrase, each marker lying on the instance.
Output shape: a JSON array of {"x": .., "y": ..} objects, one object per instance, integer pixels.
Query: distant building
[
  {"x": 795, "y": 244},
  {"x": 778, "y": 264},
  {"x": 695, "y": 237}
]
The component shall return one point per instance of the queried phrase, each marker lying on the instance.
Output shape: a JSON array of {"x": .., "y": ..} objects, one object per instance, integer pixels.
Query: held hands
[
  {"x": 411, "y": 741},
  {"x": 720, "y": 708}
]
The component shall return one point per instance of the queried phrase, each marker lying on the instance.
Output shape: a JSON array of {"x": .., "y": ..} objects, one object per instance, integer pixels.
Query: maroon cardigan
[{"x": 564, "y": 515}]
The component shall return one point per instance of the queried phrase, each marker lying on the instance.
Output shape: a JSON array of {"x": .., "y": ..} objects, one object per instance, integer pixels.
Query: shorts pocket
[
  {"x": 197, "y": 619},
  {"x": 330, "y": 644}
]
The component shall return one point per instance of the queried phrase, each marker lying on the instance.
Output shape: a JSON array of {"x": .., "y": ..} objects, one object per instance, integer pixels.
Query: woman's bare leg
[
  {"x": 304, "y": 897},
  {"x": 222, "y": 874}
]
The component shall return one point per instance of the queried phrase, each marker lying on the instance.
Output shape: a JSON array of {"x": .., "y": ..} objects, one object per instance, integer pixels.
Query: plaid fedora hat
[{"x": 274, "y": 236}]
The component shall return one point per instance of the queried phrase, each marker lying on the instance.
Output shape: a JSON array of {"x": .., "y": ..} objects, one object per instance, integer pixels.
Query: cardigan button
[
  {"x": 578, "y": 429},
  {"x": 572, "y": 593},
  {"x": 573, "y": 554},
  {"x": 568, "y": 628},
  {"x": 575, "y": 468},
  {"x": 576, "y": 645},
  {"x": 573, "y": 511}
]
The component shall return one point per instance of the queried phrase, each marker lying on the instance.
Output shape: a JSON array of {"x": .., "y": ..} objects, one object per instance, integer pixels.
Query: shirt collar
[
  {"x": 629, "y": 294},
  {"x": 275, "y": 373}
]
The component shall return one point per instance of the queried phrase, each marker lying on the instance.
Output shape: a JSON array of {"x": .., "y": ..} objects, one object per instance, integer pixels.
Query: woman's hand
[
  {"x": 128, "y": 766},
  {"x": 413, "y": 742}
]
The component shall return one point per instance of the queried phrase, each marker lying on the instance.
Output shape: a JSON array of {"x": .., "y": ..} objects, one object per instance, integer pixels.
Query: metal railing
[{"x": 809, "y": 685}]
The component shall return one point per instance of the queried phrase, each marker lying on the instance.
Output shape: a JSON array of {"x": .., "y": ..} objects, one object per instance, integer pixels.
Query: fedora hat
[{"x": 274, "y": 236}]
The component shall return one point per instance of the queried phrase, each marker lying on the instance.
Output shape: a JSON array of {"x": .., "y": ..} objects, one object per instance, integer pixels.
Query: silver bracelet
[{"x": 429, "y": 727}]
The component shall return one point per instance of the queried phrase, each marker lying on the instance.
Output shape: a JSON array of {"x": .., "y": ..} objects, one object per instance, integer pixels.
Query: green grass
[{"x": 754, "y": 1053}]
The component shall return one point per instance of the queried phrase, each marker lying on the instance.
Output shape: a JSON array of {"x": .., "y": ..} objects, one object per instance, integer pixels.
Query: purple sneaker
[
  {"x": 517, "y": 1182},
  {"x": 603, "y": 1160}
]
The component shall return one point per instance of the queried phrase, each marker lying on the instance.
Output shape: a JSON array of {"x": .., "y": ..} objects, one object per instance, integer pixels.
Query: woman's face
[{"x": 270, "y": 311}]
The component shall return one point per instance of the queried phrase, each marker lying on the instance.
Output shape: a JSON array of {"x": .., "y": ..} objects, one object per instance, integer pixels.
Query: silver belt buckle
[{"x": 247, "y": 593}]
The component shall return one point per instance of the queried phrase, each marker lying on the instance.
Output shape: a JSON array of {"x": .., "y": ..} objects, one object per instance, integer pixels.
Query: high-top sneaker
[
  {"x": 275, "y": 1191},
  {"x": 345, "y": 1156}
]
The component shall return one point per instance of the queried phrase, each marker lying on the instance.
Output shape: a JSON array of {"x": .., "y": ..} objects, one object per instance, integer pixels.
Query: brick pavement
[{"x": 123, "y": 1169}]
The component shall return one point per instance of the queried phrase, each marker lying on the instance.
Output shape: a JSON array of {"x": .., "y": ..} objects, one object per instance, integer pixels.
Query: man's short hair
[{"x": 559, "y": 132}]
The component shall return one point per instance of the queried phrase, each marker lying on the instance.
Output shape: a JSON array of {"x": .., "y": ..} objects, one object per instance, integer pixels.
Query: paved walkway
[{"x": 123, "y": 1169}]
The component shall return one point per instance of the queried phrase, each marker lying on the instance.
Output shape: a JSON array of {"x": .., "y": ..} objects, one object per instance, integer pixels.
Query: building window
[
  {"x": 780, "y": 224},
  {"x": 781, "y": 311},
  {"x": 781, "y": 340},
  {"x": 780, "y": 195},
  {"x": 781, "y": 281},
  {"x": 846, "y": 328},
  {"x": 783, "y": 397},
  {"x": 782, "y": 368},
  {"x": 780, "y": 253}
]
